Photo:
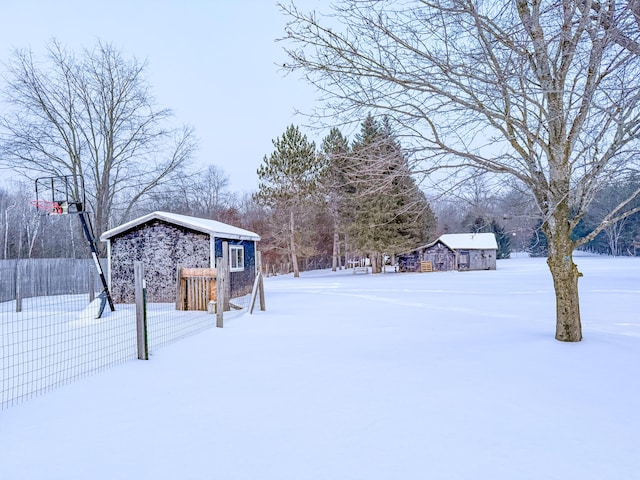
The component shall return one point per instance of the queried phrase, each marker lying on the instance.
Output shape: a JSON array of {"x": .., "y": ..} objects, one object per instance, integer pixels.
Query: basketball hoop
[
  {"x": 46, "y": 207},
  {"x": 63, "y": 195},
  {"x": 59, "y": 195}
]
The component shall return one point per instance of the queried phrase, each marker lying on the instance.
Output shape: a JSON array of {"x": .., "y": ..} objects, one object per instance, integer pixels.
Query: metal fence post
[{"x": 141, "y": 311}]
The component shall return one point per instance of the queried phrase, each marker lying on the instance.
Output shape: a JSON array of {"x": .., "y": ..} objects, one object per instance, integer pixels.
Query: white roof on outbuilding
[
  {"x": 204, "y": 225},
  {"x": 469, "y": 241}
]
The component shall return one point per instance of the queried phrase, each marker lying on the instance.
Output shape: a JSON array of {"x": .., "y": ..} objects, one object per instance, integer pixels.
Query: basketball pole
[{"x": 94, "y": 253}]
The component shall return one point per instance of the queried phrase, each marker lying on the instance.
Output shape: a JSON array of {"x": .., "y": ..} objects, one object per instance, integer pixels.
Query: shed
[
  {"x": 456, "y": 251},
  {"x": 163, "y": 241}
]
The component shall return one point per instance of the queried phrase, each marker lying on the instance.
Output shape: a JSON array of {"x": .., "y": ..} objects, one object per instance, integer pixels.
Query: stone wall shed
[{"x": 163, "y": 241}]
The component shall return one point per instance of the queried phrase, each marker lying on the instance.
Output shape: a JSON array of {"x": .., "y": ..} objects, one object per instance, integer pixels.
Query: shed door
[
  {"x": 486, "y": 260},
  {"x": 464, "y": 261}
]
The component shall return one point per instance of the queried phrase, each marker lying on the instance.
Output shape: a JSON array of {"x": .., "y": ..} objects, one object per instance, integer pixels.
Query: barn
[
  {"x": 456, "y": 251},
  {"x": 164, "y": 241}
]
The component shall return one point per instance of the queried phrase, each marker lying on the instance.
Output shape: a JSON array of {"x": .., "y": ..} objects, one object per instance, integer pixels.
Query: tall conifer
[{"x": 288, "y": 177}]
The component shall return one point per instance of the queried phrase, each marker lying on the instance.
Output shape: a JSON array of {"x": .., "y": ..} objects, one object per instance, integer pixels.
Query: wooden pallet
[{"x": 426, "y": 267}]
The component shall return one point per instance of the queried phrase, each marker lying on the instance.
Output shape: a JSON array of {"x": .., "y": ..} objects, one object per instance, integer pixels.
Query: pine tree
[
  {"x": 538, "y": 245},
  {"x": 288, "y": 179},
  {"x": 335, "y": 149},
  {"x": 503, "y": 239},
  {"x": 391, "y": 214}
]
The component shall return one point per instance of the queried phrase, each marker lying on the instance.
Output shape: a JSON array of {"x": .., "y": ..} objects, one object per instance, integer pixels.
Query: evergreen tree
[
  {"x": 391, "y": 214},
  {"x": 288, "y": 179},
  {"x": 335, "y": 149},
  {"x": 538, "y": 245},
  {"x": 618, "y": 237},
  {"x": 503, "y": 239}
]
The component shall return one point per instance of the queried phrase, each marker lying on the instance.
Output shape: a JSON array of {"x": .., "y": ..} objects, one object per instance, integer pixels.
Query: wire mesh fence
[
  {"x": 49, "y": 340},
  {"x": 53, "y": 336},
  {"x": 167, "y": 324}
]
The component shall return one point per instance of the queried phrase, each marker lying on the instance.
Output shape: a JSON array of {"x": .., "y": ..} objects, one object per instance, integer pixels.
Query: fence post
[
  {"x": 227, "y": 277},
  {"x": 220, "y": 279},
  {"x": 141, "y": 311},
  {"x": 263, "y": 306},
  {"x": 179, "y": 294},
  {"x": 18, "y": 286},
  {"x": 258, "y": 285}
]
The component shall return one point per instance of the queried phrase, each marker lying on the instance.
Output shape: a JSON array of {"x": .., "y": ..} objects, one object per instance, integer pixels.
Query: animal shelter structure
[
  {"x": 457, "y": 251},
  {"x": 168, "y": 244}
]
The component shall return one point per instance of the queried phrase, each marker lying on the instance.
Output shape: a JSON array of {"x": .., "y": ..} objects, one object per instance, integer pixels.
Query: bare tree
[
  {"x": 203, "y": 192},
  {"x": 207, "y": 192},
  {"x": 91, "y": 116},
  {"x": 544, "y": 91}
]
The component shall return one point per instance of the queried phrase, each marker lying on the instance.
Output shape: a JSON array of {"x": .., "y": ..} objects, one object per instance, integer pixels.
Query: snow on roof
[
  {"x": 212, "y": 227},
  {"x": 471, "y": 241}
]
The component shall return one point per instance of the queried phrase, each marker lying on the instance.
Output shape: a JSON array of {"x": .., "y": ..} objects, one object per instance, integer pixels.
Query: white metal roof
[
  {"x": 212, "y": 227},
  {"x": 469, "y": 241}
]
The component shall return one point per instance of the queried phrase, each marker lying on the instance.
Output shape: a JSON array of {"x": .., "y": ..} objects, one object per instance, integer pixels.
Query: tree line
[{"x": 363, "y": 189}]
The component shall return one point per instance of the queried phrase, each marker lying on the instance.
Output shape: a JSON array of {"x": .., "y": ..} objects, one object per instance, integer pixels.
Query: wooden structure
[
  {"x": 426, "y": 266},
  {"x": 165, "y": 241},
  {"x": 461, "y": 251},
  {"x": 195, "y": 287}
]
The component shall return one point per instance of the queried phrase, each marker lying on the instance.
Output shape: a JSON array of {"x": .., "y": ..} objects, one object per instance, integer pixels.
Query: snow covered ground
[{"x": 394, "y": 376}]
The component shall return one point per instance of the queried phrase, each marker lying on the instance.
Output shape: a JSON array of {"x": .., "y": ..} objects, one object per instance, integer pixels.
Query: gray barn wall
[
  {"x": 482, "y": 259},
  {"x": 161, "y": 247},
  {"x": 442, "y": 258}
]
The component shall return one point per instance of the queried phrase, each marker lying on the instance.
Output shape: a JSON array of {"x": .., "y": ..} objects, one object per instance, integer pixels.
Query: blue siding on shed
[{"x": 241, "y": 282}]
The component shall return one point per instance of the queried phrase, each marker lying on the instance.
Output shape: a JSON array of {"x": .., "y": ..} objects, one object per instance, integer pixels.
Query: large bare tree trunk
[
  {"x": 565, "y": 275},
  {"x": 292, "y": 239},
  {"x": 375, "y": 262}
]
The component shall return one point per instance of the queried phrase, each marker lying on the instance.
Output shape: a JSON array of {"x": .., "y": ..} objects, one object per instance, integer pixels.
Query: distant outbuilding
[
  {"x": 456, "y": 251},
  {"x": 165, "y": 241}
]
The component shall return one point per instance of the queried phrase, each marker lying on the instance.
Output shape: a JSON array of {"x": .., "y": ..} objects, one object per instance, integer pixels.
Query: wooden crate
[
  {"x": 196, "y": 288},
  {"x": 426, "y": 267}
]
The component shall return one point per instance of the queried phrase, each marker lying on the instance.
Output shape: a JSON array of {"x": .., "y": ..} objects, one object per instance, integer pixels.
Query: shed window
[{"x": 236, "y": 257}]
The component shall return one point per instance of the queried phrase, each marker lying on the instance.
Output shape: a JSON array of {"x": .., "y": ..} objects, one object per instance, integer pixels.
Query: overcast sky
[{"x": 214, "y": 63}]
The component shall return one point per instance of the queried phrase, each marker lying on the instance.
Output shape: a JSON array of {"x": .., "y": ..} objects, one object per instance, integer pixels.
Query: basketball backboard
[{"x": 59, "y": 195}]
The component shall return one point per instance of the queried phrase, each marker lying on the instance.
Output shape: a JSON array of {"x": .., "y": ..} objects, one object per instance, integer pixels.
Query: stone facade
[{"x": 161, "y": 247}]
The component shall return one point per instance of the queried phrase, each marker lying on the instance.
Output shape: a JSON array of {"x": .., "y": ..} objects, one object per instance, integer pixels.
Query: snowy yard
[{"x": 348, "y": 377}]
